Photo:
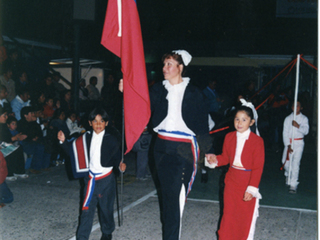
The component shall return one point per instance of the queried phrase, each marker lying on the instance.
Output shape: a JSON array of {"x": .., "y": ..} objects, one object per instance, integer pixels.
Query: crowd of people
[{"x": 31, "y": 118}]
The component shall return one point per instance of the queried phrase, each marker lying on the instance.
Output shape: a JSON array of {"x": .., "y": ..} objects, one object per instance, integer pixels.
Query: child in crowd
[
  {"x": 102, "y": 155},
  {"x": 12, "y": 125},
  {"x": 244, "y": 151},
  {"x": 72, "y": 124},
  {"x": 300, "y": 128},
  {"x": 48, "y": 108}
]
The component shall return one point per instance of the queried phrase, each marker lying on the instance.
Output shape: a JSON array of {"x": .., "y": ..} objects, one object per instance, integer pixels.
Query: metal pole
[
  {"x": 294, "y": 113},
  {"x": 121, "y": 173},
  {"x": 76, "y": 67}
]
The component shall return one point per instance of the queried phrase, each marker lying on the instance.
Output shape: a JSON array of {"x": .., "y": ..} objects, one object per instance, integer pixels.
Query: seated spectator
[
  {"x": 56, "y": 76},
  {"x": 3, "y": 99},
  {"x": 83, "y": 91},
  {"x": 72, "y": 124},
  {"x": 93, "y": 90},
  {"x": 15, "y": 160},
  {"x": 34, "y": 143},
  {"x": 12, "y": 124},
  {"x": 22, "y": 81},
  {"x": 6, "y": 195},
  {"x": 20, "y": 101},
  {"x": 65, "y": 101},
  {"x": 38, "y": 98},
  {"x": 47, "y": 86},
  {"x": 48, "y": 109},
  {"x": 58, "y": 122},
  {"x": 6, "y": 80}
]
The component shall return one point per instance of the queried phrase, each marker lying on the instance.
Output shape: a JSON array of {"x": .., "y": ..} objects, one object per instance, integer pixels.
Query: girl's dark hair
[
  {"x": 98, "y": 111},
  {"x": 11, "y": 119},
  {"x": 249, "y": 112}
]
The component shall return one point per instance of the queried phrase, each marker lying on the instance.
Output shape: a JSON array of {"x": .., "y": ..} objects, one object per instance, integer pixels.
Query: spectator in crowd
[
  {"x": 56, "y": 76},
  {"x": 3, "y": 99},
  {"x": 22, "y": 81},
  {"x": 47, "y": 86},
  {"x": 212, "y": 100},
  {"x": 15, "y": 160},
  {"x": 93, "y": 90},
  {"x": 65, "y": 101},
  {"x": 34, "y": 143},
  {"x": 20, "y": 101},
  {"x": 48, "y": 108},
  {"x": 6, "y": 80},
  {"x": 83, "y": 91},
  {"x": 72, "y": 124}
]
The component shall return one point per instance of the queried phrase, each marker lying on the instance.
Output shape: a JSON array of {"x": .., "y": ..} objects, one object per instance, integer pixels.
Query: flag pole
[
  {"x": 121, "y": 173},
  {"x": 294, "y": 113}
]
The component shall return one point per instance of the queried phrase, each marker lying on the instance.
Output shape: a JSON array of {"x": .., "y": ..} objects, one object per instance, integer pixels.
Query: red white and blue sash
[
  {"x": 184, "y": 137},
  {"x": 79, "y": 157},
  {"x": 93, "y": 177}
]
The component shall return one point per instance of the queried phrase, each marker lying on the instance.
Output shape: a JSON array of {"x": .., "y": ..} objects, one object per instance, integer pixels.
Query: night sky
[{"x": 207, "y": 27}]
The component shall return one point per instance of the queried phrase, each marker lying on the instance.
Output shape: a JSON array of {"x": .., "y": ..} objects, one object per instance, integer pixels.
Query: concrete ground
[{"x": 46, "y": 206}]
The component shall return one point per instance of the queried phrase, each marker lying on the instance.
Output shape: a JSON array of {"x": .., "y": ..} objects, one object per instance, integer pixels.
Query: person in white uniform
[{"x": 300, "y": 128}]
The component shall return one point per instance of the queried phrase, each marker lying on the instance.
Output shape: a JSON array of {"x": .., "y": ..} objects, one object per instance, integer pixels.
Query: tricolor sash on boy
[
  {"x": 188, "y": 138},
  {"x": 79, "y": 157},
  {"x": 93, "y": 177}
]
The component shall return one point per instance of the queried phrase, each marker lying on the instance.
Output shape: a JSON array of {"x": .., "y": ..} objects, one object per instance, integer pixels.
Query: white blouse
[{"x": 173, "y": 121}]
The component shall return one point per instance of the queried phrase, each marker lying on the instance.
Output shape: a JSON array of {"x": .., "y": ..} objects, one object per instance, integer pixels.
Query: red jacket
[
  {"x": 3, "y": 169},
  {"x": 252, "y": 156}
]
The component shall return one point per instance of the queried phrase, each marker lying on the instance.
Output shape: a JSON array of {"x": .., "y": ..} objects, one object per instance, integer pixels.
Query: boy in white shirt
[
  {"x": 93, "y": 156},
  {"x": 300, "y": 128}
]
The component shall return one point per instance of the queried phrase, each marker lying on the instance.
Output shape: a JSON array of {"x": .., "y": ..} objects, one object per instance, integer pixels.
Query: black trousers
[
  {"x": 174, "y": 163},
  {"x": 103, "y": 197}
]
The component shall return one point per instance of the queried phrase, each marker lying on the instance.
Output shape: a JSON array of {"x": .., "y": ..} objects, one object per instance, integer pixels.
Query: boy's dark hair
[
  {"x": 25, "y": 111},
  {"x": 57, "y": 113},
  {"x": 92, "y": 79},
  {"x": 98, "y": 111},
  {"x": 2, "y": 110},
  {"x": 22, "y": 91},
  {"x": 11, "y": 119},
  {"x": 2, "y": 87}
]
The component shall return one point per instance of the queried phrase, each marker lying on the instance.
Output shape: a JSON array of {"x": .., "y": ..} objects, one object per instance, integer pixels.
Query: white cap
[{"x": 186, "y": 57}]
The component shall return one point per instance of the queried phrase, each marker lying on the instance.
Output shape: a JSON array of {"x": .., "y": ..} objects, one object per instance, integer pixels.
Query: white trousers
[{"x": 295, "y": 158}]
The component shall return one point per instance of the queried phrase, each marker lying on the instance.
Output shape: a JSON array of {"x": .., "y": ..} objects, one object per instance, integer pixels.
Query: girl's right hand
[
  {"x": 211, "y": 158},
  {"x": 121, "y": 85}
]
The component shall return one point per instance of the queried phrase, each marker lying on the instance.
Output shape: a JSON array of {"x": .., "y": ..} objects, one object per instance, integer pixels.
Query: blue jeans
[
  {"x": 6, "y": 195},
  {"x": 40, "y": 159}
]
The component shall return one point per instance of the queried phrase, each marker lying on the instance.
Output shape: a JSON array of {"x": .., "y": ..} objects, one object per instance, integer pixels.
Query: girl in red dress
[{"x": 244, "y": 151}]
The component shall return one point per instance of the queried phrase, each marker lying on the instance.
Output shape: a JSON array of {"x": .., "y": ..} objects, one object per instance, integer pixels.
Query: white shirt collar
[
  {"x": 99, "y": 135},
  {"x": 168, "y": 86},
  {"x": 244, "y": 135}
]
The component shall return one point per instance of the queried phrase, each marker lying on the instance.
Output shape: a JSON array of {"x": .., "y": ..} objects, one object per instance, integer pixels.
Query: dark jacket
[
  {"x": 194, "y": 112},
  {"x": 110, "y": 151}
]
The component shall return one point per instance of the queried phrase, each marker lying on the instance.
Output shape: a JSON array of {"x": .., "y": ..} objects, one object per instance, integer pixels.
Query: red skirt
[{"x": 237, "y": 214}]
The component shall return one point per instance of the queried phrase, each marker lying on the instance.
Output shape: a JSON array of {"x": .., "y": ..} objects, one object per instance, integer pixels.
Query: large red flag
[{"x": 122, "y": 36}]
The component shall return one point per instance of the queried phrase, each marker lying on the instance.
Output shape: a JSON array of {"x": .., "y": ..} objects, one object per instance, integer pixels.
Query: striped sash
[
  {"x": 79, "y": 157},
  {"x": 184, "y": 137},
  {"x": 93, "y": 177}
]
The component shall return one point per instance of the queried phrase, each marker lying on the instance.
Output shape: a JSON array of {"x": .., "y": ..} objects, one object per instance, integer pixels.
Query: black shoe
[
  {"x": 204, "y": 177},
  {"x": 106, "y": 237}
]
